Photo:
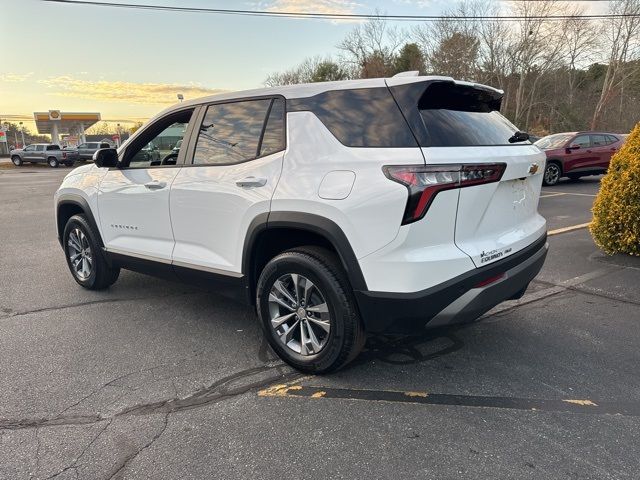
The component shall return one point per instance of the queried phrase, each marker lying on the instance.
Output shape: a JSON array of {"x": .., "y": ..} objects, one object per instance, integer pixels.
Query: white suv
[{"x": 335, "y": 208}]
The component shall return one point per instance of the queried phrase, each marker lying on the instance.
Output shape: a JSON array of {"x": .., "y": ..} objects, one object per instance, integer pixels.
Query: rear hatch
[{"x": 460, "y": 123}]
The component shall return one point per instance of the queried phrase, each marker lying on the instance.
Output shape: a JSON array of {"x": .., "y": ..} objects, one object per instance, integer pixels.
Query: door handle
[
  {"x": 155, "y": 185},
  {"x": 252, "y": 182}
]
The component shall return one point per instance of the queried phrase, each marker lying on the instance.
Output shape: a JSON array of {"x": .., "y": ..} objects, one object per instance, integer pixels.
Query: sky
[{"x": 130, "y": 64}]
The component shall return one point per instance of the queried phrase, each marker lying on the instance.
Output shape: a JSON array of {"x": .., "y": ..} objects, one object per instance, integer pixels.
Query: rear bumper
[{"x": 457, "y": 300}]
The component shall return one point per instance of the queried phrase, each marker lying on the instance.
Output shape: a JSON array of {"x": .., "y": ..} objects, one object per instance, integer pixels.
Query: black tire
[
  {"x": 17, "y": 161},
  {"x": 574, "y": 177},
  {"x": 102, "y": 275},
  {"x": 552, "y": 174},
  {"x": 53, "y": 162},
  {"x": 346, "y": 335}
]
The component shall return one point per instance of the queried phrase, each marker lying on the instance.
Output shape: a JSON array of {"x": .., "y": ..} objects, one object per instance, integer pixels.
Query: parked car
[
  {"x": 48, "y": 153},
  {"x": 577, "y": 154},
  {"x": 378, "y": 204},
  {"x": 86, "y": 150}
]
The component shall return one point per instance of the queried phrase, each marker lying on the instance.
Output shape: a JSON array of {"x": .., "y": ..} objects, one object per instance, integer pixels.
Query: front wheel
[
  {"x": 84, "y": 255},
  {"x": 17, "y": 161},
  {"x": 307, "y": 310},
  {"x": 53, "y": 162},
  {"x": 552, "y": 174}
]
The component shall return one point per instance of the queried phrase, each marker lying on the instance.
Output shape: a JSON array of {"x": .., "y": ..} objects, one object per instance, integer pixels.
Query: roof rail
[{"x": 411, "y": 73}]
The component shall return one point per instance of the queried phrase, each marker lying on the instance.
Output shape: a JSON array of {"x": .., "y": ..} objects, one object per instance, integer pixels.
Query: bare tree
[
  {"x": 370, "y": 48},
  {"x": 623, "y": 35}
]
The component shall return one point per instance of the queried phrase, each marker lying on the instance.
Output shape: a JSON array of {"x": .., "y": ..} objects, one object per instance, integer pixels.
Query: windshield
[{"x": 553, "y": 141}]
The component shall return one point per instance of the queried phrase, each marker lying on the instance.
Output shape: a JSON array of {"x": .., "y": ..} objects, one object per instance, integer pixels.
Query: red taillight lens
[{"x": 425, "y": 181}]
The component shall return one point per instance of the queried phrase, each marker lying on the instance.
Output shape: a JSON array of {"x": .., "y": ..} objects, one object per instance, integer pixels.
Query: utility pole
[{"x": 22, "y": 133}]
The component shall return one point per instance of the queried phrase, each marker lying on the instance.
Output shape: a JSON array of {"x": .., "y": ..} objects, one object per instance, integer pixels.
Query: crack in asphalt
[
  {"x": 127, "y": 460},
  {"x": 92, "y": 302},
  {"x": 222, "y": 389},
  {"x": 74, "y": 464}
]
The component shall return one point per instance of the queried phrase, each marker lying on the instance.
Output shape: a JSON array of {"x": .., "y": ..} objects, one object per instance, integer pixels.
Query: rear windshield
[{"x": 463, "y": 116}]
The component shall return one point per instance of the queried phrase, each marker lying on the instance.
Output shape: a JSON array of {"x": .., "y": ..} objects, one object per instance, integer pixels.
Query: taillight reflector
[{"x": 425, "y": 181}]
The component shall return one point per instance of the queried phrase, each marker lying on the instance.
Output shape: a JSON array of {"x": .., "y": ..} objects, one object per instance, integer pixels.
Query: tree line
[{"x": 558, "y": 74}]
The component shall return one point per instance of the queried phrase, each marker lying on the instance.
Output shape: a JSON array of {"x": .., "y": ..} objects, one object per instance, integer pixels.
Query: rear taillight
[
  {"x": 425, "y": 181},
  {"x": 64, "y": 154}
]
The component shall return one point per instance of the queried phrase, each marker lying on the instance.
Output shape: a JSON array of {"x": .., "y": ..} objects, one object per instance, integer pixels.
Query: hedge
[{"x": 616, "y": 211}]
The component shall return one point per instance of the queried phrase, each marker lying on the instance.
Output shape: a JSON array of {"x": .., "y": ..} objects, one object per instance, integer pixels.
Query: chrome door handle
[
  {"x": 155, "y": 185},
  {"x": 252, "y": 182}
]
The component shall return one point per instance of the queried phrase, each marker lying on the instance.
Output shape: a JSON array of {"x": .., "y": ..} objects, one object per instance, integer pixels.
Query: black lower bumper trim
[{"x": 384, "y": 311}]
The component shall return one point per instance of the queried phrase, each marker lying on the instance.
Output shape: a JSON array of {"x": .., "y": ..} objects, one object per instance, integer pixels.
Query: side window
[
  {"x": 29, "y": 148},
  {"x": 582, "y": 140},
  {"x": 230, "y": 132},
  {"x": 273, "y": 138},
  {"x": 611, "y": 139},
  {"x": 599, "y": 140},
  {"x": 154, "y": 146},
  {"x": 82, "y": 145},
  {"x": 40, "y": 148},
  {"x": 106, "y": 145},
  {"x": 53, "y": 147}
]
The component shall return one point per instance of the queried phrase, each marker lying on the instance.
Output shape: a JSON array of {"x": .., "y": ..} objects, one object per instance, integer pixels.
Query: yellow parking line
[
  {"x": 571, "y": 193},
  {"x": 568, "y": 229},
  {"x": 552, "y": 195}
]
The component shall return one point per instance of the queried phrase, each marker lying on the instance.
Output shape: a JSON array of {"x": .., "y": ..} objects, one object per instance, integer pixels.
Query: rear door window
[
  {"x": 231, "y": 132},
  {"x": 599, "y": 140},
  {"x": 40, "y": 148}
]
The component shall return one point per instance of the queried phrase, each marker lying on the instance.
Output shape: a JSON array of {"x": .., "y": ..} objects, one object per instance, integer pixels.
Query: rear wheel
[
  {"x": 17, "y": 161},
  {"x": 307, "y": 310},
  {"x": 552, "y": 174},
  {"x": 53, "y": 162},
  {"x": 84, "y": 255}
]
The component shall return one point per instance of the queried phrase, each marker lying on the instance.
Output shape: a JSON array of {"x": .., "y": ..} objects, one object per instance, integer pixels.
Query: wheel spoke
[
  {"x": 308, "y": 287},
  {"x": 283, "y": 291},
  {"x": 282, "y": 303},
  {"x": 325, "y": 325},
  {"x": 303, "y": 340},
  {"x": 322, "y": 308},
  {"x": 85, "y": 267},
  {"x": 312, "y": 338},
  {"x": 276, "y": 322},
  {"x": 74, "y": 241},
  {"x": 295, "y": 278},
  {"x": 286, "y": 336}
]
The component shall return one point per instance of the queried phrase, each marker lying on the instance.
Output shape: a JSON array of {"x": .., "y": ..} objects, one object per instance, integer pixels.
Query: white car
[{"x": 335, "y": 208}]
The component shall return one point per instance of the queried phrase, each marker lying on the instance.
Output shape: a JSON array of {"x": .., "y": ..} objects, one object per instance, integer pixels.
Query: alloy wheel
[
  {"x": 299, "y": 314},
  {"x": 552, "y": 174},
  {"x": 80, "y": 255}
]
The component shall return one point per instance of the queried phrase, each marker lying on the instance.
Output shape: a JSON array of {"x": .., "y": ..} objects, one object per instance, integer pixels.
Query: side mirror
[
  {"x": 106, "y": 157},
  {"x": 575, "y": 146}
]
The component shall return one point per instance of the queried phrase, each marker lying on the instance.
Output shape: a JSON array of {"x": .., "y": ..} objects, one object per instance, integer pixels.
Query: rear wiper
[{"x": 519, "y": 137}]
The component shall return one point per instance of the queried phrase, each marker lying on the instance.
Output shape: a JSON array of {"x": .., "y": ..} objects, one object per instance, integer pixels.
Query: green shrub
[{"x": 616, "y": 210}]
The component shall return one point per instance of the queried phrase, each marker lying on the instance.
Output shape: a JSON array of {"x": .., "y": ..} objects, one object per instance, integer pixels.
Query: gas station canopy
[{"x": 55, "y": 123}]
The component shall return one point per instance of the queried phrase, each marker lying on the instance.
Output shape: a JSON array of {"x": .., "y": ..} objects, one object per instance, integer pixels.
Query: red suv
[{"x": 577, "y": 154}]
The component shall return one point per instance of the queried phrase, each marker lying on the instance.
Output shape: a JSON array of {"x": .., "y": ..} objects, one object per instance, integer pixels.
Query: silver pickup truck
[{"x": 44, "y": 153}]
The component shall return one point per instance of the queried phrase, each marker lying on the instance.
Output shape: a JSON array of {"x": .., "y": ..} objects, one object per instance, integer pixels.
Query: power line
[{"x": 336, "y": 16}]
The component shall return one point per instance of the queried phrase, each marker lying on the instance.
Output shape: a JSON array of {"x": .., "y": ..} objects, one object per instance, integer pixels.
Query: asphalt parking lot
[{"x": 153, "y": 379}]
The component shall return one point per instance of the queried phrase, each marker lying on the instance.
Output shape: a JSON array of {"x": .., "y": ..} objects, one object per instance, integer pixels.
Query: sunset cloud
[
  {"x": 319, "y": 6},
  {"x": 130, "y": 92},
  {"x": 15, "y": 77}
]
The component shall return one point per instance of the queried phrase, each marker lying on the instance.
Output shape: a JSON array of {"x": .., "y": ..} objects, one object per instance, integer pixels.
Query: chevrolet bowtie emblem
[{"x": 533, "y": 168}]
